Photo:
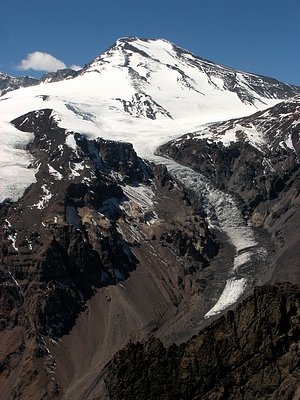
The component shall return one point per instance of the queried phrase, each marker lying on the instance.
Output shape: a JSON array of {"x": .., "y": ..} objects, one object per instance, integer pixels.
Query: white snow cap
[{"x": 145, "y": 93}]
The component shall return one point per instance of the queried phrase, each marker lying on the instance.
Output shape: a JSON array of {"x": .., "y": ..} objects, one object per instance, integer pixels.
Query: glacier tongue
[{"x": 224, "y": 214}]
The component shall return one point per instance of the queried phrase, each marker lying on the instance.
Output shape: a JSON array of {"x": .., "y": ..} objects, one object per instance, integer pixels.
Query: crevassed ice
[{"x": 224, "y": 214}]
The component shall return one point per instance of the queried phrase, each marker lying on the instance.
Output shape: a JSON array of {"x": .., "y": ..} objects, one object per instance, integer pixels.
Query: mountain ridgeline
[{"x": 149, "y": 239}]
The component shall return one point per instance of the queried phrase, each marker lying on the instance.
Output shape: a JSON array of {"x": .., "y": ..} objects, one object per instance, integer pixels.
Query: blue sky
[{"x": 260, "y": 36}]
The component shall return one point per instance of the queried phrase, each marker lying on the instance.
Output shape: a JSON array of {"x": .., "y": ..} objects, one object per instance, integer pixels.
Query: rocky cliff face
[
  {"x": 96, "y": 213},
  {"x": 251, "y": 353},
  {"x": 59, "y": 75},
  {"x": 263, "y": 174}
]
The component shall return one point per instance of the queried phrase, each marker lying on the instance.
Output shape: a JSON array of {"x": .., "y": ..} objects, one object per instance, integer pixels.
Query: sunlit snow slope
[{"x": 142, "y": 91}]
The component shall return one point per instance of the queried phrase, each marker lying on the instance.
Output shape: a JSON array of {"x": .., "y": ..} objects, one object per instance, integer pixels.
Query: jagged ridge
[{"x": 253, "y": 352}]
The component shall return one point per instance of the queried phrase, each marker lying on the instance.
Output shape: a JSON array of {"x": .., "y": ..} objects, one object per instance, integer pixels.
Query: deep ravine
[{"x": 224, "y": 215}]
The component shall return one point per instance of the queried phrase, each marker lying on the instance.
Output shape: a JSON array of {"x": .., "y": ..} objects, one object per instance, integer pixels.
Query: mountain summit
[
  {"x": 135, "y": 90},
  {"x": 146, "y": 58}
]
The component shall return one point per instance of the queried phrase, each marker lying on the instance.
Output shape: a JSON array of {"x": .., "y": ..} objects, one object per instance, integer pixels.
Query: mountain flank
[
  {"x": 149, "y": 244},
  {"x": 251, "y": 353}
]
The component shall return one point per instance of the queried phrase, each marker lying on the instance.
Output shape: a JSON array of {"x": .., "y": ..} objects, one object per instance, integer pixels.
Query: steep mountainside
[
  {"x": 95, "y": 215},
  {"x": 257, "y": 159},
  {"x": 252, "y": 353},
  {"x": 103, "y": 242},
  {"x": 135, "y": 90},
  {"x": 146, "y": 60}
]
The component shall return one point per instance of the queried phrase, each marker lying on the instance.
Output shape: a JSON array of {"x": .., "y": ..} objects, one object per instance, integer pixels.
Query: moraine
[{"x": 223, "y": 214}]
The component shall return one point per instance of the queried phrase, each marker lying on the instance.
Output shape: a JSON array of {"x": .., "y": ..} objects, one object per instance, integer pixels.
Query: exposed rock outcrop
[
  {"x": 252, "y": 352},
  {"x": 97, "y": 212},
  {"x": 264, "y": 174}
]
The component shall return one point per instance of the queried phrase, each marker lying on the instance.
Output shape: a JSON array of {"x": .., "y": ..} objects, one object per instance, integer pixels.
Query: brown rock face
[
  {"x": 265, "y": 178},
  {"x": 105, "y": 250},
  {"x": 251, "y": 353},
  {"x": 79, "y": 231},
  {"x": 109, "y": 265}
]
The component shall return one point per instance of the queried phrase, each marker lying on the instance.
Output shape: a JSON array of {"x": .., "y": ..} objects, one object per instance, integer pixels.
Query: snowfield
[
  {"x": 146, "y": 94},
  {"x": 233, "y": 290},
  {"x": 15, "y": 172}
]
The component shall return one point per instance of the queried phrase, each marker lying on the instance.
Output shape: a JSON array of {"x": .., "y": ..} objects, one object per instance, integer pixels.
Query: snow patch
[
  {"x": 140, "y": 194},
  {"x": 71, "y": 142},
  {"x": 13, "y": 238},
  {"x": 232, "y": 292},
  {"x": 228, "y": 133},
  {"x": 44, "y": 198},
  {"x": 57, "y": 175},
  {"x": 74, "y": 168},
  {"x": 141, "y": 202},
  {"x": 16, "y": 171}
]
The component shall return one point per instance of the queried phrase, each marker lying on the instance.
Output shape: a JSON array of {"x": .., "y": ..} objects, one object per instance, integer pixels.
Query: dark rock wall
[
  {"x": 75, "y": 231},
  {"x": 239, "y": 168},
  {"x": 266, "y": 179},
  {"x": 251, "y": 353}
]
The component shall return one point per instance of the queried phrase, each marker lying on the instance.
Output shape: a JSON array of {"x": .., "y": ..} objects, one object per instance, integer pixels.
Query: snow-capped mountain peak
[
  {"x": 145, "y": 58},
  {"x": 143, "y": 91}
]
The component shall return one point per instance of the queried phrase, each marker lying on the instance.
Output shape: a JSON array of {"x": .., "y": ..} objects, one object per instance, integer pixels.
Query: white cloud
[
  {"x": 75, "y": 67},
  {"x": 39, "y": 61}
]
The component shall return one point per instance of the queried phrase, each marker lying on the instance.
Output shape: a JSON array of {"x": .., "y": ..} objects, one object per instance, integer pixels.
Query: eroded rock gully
[
  {"x": 266, "y": 181},
  {"x": 96, "y": 216},
  {"x": 105, "y": 249}
]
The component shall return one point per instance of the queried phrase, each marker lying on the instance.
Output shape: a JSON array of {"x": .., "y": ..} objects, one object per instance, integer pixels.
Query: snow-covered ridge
[
  {"x": 8, "y": 83},
  {"x": 250, "y": 88},
  {"x": 265, "y": 130}
]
